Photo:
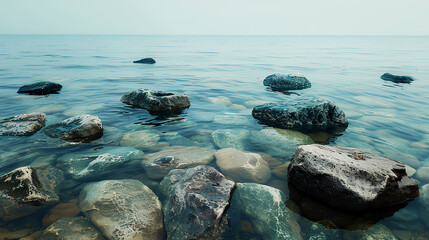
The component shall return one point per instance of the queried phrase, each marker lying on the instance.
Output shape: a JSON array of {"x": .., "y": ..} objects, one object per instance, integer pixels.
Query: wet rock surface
[
  {"x": 396, "y": 78},
  {"x": 72, "y": 228},
  {"x": 284, "y": 82},
  {"x": 350, "y": 178},
  {"x": 305, "y": 115},
  {"x": 76, "y": 129},
  {"x": 27, "y": 190},
  {"x": 41, "y": 88},
  {"x": 230, "y": 138},
  {"x": 145, "y": 61},
  {"x": 60, "y": 211},
  {"x": 22, "y": 125},
  {"x": 140, "y": 139},
  {"x": 196, "y": 201}
]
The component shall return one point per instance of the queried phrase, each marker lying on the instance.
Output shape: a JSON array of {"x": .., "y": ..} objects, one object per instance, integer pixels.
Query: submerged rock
[
  {"x": 157, "y": 102},
  {"x": 159, "y": 164},
  {"x": 76, "y": 129},
  {"x": 27, "y": 190},
  {"x": 140, "y": 139},
  {"x": 41, "y": 88},
  {"x": 72, "y": 228},
  {"x": 230, "y": 138},
  {"x": 396, "y": 78},
  {"x": 59, "y": 211},
  {"x": 349, "y": 178},
  {"x": 146, "y": 61},
  {"x": 424, "y": 204},
  {"x": 123, "y": 209},
  {"x": 283, "y": 82},
  {"x": 242, "y": 166},
  {"x": 306, "y": 115},
  {"x": 379, "y": 232},
  {"x": 196, "y": 201},
  {"x": 232, "y": 119},
  {"x": 22, "y": 125}
]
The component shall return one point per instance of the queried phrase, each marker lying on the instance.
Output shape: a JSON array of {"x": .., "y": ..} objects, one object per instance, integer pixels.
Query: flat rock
[
  {"x": 230, "y": 138},
  {"x": 27, "y": 190},
  {"x": 159, "y": 164},
  {"x": 305, "y": 115},
  {"x": 76, "y": 129},
  {"x": 22, "y": 125},
  {"x": 396, "y": 78},
  {"x": 123, "y": 209},
  {"x": 242, "y": 166},
  {"x": 41, "y": 88},
  {"x": 145, "y": 61},
  {"x": 350, "y": 178},
  {"x": 157, "y": 102},
  {"x": 72, "y": 228},
  {"x": 196, "y": 202},
  {"x": 284, "y": 82},
  {"x": 140, "y": 139}
]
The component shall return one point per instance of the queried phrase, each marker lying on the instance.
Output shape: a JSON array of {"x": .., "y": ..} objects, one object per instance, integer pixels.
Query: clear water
[{"x": 95, "y": 71}]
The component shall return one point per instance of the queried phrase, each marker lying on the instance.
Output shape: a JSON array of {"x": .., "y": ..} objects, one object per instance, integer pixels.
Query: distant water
[{"x": 95, "y": 71}]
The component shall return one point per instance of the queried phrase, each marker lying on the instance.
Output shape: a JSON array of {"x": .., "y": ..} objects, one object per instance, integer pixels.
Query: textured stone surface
[
  {"x": 306, "y": 115},
  {"x": 350, "y": 178},
  {"x": 59, "y": 211},
  {"x": 230, "y": 138},
  {"x": 41, "y": 88},
  {"x": 76, "y": 129},
  {"x": 379, "y": 232},
  {"x": 72, "y": 228},
  {"x": 27, "y": 190},
  {"x": 140, "y": 139},
  {"x": 159, "y": 164},
  {"x": 157, "y": 102},
  {"x": 232, "y": 119},
  {"x": 196, "y": 201},
  {"x": 396, "y": 78},
  {"x": 284, "y": 82},
  {"x": 242, "y": 166},
  {"x": 123, "y": 209},
  {"x": 145, "y": 61},
  {"x": 22, "y": 125}
]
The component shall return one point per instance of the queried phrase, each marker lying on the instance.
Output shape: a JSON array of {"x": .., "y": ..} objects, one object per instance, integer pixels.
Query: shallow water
[{"x": 222, "y": 75}]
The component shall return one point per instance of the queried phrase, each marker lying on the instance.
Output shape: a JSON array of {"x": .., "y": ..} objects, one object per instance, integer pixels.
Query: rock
[
  {"x": 140, "y": 139},
  {"x": 72, "y": 228},
  {"x": 41, "y": 88},
  {"x": 18, "y": 234},
  {"x": 33, "y": 236},
  {"x": 230, "y": 138},
  {"x": 196, "y": 202},
  {"x": 92, "y": 164},
  {"x": 350, "y": 178},
  {"x": 282, "y": 170},
  {"x": 175, "y": 138},
  {"x": 280, "y": 143},
  {"x": 319, "y": 232},
  {"x": 283, "y": 82},
  {"x": 157, "y": 102},
  {"x": 410, "y": 171},
  {"x": 123, "y": 209},
  {"x": 242, "y": 166},
  {"x": 145, "y": 61},
  {"x": 159, "y": 164},
  {"x": 220, "y": 100},
  {"x": 305, "y": 115},
  {"x": 280, "y": 185},
  {"x": 60, "y": 211},
  {"x": 424, "y": 204},
  {"x": 379, "y": 232},
  {"x": 264, "y": 207},
  {"x": 22, "y": 125},
  {"x": 232, "y": 119},
  {"x": 408, "y": 159},
  {"x": 27, "y": 190},
  {"x": 76, "y": 129},
  {"x": 423, "y": 174},
  {"x": 396, "y": 78}
]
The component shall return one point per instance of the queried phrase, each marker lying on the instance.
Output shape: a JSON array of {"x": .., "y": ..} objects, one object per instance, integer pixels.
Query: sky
[{"x": 215, "y": 17}]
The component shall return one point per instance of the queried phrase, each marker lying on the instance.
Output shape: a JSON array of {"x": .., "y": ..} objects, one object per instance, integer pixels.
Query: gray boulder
[
  {"x": 76, "y": 129},
  {"x": 305, "y": 115},
  {"x": 196, "y": 203},
  {"x": 396, "y": 78},
  {"x": 145, "y": 61},
  {"x": 22, "y": 125},
  {"x": 283, "y": 82},
  {"x": 349, "y": 178},
  {"x": 41, "y": 88},
  {"x": 27, "y": 190},
  {"x": 72, "y": 228},
  {"x": 157, "y": 102}
]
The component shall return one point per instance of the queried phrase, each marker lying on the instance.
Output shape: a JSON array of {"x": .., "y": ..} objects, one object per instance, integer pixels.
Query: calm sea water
[{"x": 95, "y": 71}]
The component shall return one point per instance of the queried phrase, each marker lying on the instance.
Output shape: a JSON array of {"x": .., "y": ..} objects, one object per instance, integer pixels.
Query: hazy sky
[{"x": 278, "y": 17}]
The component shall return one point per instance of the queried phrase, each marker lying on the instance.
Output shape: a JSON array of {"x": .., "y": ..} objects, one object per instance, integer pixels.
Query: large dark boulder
[
  {"x": 305, "y": 115},
  {"x": 41, "y": 88},
  {"x": 349, "y": 178},
  {"x": 283, "y": 82},
  {"x": 157, "y": 102},
  {"x": 145, "y": 61},
  {"x": 22, "y": 125},
  {"x": 27, "y": 190},
  {"x": 76, "y": 129},
  {"x": 396, "y": 78},
  {"x": 196, "y": 203}
]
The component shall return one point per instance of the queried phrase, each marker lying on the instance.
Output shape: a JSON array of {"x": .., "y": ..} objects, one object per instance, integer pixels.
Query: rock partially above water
[
  {"x": 22, "y": 125},
  {"x": 157, "y": 102},
  {"x": 72, "y": 228},
  {"x": 123, "y": 209},
  {"x": 26, "y": 190},
  {"x": 41, "y": 88},
  {"x": 306, "y": 115},
  {"x": 76, "y": 129},
  {"x": 396, "y": 78},
  {"x": 283, "y": 82},
  {"x": 349, "y": 178},
  {"x": 146, "y": 61},
  {"x": 196, "y": 201}
]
